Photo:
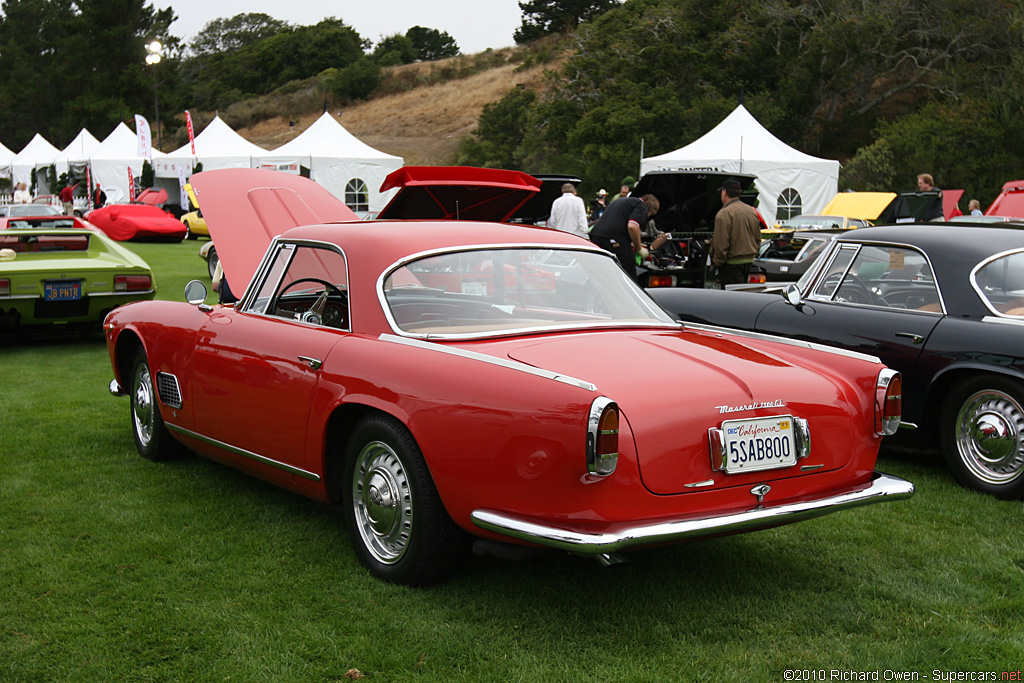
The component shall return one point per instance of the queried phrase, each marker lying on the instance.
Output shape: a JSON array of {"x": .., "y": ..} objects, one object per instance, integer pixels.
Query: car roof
[{"x": 939, "y": 238}]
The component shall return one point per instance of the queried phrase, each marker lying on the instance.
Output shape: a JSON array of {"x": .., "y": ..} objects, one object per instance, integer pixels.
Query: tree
[
  {"x": 546, "y": 17},
  {"x": 394, "y": 50},
  {"x": 241, "y": 30},
  {"x": 431, "y": 44}
]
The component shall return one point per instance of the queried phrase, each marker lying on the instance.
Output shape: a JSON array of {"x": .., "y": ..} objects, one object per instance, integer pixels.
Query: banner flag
[
  {"x": 191, "y": 137},
  {"x": 142, "y": 134},
  {"x": 131, "y": 185},
  {"x": 181, "y": 185}
]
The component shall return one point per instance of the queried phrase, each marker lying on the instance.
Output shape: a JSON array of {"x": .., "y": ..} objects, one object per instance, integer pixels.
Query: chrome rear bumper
[{"x": 883, "y": 488}]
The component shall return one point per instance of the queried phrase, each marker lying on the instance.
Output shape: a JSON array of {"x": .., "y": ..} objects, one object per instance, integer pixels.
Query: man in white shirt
[{"x": 568, "y": 212}]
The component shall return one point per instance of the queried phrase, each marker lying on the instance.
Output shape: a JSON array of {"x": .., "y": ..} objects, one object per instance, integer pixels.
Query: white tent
[
  {"x": 337, "y": 160},
  {"x": 218, "y": 146},
  {"x": 79, "y": 148},
  {"x": 111, "y": 160},
  {"x": 22, "y": 165},
  {"x": 789, "y": 182}
]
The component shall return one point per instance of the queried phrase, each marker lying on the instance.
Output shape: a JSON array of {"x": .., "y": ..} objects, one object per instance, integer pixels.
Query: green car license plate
[
  {"x": 764, "y": 443},
  {"x": 63, "y": 290}
]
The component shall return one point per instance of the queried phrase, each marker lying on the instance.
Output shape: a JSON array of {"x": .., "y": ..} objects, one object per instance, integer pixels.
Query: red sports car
[
  {"x": 389, "y": 368},
  {"x": 124, "y": 222}
]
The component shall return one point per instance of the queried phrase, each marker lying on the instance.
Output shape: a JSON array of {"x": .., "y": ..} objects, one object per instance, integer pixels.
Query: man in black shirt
[{"x": 619, "y": 229}]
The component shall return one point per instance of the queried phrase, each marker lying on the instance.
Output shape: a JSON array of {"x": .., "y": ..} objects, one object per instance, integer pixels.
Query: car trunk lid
[{"x": 671, "y": 387}]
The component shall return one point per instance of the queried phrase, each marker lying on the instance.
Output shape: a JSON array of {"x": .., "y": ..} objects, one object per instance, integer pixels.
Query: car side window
[
  {"x": 313, "y": 288},
  {"x": 885, "y": 276},
  {"x": 835, "y": 272}
]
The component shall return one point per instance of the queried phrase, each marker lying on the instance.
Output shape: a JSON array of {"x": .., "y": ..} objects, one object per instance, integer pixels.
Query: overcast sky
[{"x": 474, "y": 24}]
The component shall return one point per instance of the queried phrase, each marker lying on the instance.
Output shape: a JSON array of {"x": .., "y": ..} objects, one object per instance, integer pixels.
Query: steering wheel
[
  {"x": 314, "y": 314},
  {"x": 855, "y": 291}
]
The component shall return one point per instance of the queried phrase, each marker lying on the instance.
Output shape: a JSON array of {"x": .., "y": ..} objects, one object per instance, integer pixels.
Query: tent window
[
  {"x": 357, "y": 197},
  {"x": 789, "y": 205}
]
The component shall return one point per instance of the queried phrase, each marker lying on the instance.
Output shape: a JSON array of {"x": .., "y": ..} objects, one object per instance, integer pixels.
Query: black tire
[
  {"x": 399, "y": 527},
  {"x": 189, "y": 235},
  {"x": 982, "y": 435},
  {"x": 211, "y": 261},
  {"x": 152, "y": 440}
]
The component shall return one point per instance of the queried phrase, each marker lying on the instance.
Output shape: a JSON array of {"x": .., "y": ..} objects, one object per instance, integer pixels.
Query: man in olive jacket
[{"x": 737, "y": 236}]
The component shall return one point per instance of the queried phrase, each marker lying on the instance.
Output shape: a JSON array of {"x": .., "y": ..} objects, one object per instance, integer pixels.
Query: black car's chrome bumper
[{"x": 883, "y": 488}]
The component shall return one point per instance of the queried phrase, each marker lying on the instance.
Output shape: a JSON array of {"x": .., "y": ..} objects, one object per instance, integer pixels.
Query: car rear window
[
  {"x": 1000, "y": 282},
  {"x": 459, "y": 294},
  {"x": 22, "y": 244}
]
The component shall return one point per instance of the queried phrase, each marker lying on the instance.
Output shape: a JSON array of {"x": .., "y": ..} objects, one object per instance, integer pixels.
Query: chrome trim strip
[
  {"x": 248, "y": 454},
  {"x": 883, "y": 488},
  {"x": 772, "y": 338},
  {"x": 1003, "y": 321},
  {"x": 503, "y": 362},
  {"x": 808, "y": 468},
  {"x": 699, "y": 484}
]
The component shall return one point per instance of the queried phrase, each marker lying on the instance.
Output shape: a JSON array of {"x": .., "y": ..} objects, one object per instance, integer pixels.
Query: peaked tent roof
[
  {"x": 111, "y": 160},
  {"x": 335, "y": 158},
  {"x": 22, "y": 164},
  {"x": 328, "y": 137},
  {"x": 739, "y": 144},
  {"x": 217, "y": 146},
  {"x": 5, "y": 155},
  {"x": 80, "y": 147}
]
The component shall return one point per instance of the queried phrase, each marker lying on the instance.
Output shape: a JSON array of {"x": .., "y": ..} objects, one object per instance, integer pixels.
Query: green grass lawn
[{"x": 113, "y": 568}]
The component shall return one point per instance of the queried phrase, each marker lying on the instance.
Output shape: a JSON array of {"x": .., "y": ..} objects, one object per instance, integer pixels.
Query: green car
[{"x": 66, "y": 276}]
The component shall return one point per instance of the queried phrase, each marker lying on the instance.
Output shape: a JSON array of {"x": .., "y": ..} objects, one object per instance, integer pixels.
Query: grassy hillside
[{"x": 420, "y": 114}]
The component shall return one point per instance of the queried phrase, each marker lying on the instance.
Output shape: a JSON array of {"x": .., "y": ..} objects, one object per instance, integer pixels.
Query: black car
[
  {"x": 943, "y": 305},
  {"x": 784, "y": 257}
]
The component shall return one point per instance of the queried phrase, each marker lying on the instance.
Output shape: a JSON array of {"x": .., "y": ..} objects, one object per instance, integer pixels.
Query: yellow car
[{"x": 194, "y": 220}]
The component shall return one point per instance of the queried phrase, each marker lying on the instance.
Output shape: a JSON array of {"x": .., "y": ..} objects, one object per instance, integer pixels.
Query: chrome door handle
[
  {"x": 915, "y": 338},
  {"x": 314, "y": 363}
]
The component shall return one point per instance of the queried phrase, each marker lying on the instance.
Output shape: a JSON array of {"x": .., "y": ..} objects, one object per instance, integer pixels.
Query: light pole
[{"x": 154, "y": 53}]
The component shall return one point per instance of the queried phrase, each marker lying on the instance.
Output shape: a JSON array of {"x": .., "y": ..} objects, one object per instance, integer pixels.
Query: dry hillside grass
[{"x": 423, "y": 125}]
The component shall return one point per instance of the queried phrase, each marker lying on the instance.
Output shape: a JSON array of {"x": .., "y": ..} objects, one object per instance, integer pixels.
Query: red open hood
[
  {"x": 457, "y": 193},
  {"x": 152, "y": 196},
  {"x": 245, "y": 208}
]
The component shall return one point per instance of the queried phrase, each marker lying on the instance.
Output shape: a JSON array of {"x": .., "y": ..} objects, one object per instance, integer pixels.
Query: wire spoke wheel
[
  {"x": 383, "y": 502},
  {"x": 990, "y": 437},
  {"x": 143, "y": 404}
]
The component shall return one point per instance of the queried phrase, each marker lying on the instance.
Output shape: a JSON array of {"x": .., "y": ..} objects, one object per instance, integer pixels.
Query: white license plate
[{"x": 763, "y": 443}]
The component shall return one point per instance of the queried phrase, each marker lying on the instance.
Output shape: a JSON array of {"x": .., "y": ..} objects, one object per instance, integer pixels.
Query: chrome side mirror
[
  {"x": 792, "y": 295},
  {"x": 195, "y": 293}
]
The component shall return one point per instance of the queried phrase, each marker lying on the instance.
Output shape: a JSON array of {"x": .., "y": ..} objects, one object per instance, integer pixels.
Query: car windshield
[
  {"x": 805, "y": 222},
  {"x": 458, "y": 293},
  {"x": 1001, "y": 284},
  {"x": 33, "y": 210}
]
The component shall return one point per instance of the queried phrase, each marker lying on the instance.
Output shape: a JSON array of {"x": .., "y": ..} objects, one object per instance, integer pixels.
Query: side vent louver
[{"x": 167, "y": 387}]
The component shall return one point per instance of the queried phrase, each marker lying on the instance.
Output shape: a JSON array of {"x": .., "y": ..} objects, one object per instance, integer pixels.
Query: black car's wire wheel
[{"x": 983, "y": 435}]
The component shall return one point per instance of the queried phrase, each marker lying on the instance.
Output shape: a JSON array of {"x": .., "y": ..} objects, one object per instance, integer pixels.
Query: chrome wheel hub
[
  {"x": 382, "y": 500},
  {"x": 990, "y": 436},
  {"x": 143, "y": 405}
]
